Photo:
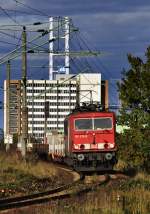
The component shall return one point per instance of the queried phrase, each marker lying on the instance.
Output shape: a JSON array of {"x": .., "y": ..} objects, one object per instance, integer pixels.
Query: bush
[{"x": 134, "y": 148}]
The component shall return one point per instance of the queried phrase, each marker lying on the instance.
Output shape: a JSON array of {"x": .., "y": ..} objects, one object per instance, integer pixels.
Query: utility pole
[
  {"x": 24, "y": 96},
  {"x": 8, "y": 105},
  {"x": 78, "y": 94}
]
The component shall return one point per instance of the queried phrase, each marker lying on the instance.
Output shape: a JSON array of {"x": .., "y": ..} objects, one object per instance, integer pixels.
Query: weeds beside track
[{"x": 61, "y": 192}]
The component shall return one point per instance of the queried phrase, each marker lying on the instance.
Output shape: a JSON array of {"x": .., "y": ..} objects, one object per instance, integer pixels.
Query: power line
[
  {"x": 33, "y": 24},
  {"x": 12, "y": 19},
  {"x": 34, "y": 39},
  {"x": 19, "y": 30},
  {"x": 14, "y": 52},
  {"x": 9, "y": 43},
  {"x": 37, "y": 46},
  {"x": 9, "y": 35},
  {"x": 24, "y": 12},
  {"x": 112, "y": 106},
  {"x": 79, "y": 38},
  {"x": 33, "y": 9},
  {"x": 98, "y": 61}
]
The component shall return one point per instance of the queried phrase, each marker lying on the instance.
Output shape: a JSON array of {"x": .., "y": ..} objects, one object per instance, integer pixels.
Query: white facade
[
  {"x": 90, "y": 87},
  {"x": 62, "y": 99},
  {"x": 61, "y": 94}
]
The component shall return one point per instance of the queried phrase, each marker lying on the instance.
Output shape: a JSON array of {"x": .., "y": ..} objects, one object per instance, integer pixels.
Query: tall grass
[
  {"x": 19, "y": 177},
  {"x": 100, "y": 202},
  {"x": 109, "y": 199},
  {"x": 136, "y": 202},
  {"x": 123, "y": 197},
  {"x": 38, "y": 169}
]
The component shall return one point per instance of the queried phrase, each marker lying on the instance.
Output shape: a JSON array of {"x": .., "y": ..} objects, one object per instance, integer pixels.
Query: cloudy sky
[{"x": 114, "y": 27}]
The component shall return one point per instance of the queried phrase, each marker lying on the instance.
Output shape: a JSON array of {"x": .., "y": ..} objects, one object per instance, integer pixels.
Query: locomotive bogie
[{"x": 92, "y": 162}]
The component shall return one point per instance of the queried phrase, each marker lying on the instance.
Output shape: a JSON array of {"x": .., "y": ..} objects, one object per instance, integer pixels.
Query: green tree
[{"x": 134, "y": 93}]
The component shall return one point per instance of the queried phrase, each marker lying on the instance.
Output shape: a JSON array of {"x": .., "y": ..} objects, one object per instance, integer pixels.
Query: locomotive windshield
[
  {"x": 102, "y": 123},
  {"x": 93, "y": 124},
  {"x": 83, "y": 124}
]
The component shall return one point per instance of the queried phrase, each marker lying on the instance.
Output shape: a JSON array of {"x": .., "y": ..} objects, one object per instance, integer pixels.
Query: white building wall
[
  {"x": 59, "y": 107},
  {"x": 90, "y": 87}
]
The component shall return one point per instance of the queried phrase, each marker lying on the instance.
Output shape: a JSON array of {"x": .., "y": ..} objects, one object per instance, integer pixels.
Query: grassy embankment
[
  {"x": 18, "y": 177},
  {"x": 130, "y": 196}
]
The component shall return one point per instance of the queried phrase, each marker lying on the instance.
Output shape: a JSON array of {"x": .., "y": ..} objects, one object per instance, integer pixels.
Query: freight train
[{"x": 88, "y": 143}]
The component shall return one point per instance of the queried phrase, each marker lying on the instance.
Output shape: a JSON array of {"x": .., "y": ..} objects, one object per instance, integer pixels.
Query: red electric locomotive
[{"x": 89, "y": 140}]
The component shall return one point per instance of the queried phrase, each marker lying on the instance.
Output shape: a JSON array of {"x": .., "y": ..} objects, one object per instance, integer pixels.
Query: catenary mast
[{"x": 65, "y": 53}]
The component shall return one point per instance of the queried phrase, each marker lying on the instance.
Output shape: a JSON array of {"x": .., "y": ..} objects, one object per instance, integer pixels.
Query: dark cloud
[
  {"x": 62, "y": 7},
  {"x": 115, "y": 27}
]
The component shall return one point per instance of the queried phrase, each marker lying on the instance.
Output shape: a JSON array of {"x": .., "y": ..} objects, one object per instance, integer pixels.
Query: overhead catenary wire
[
  {"x": 23, "y": 12},
  {"x": 112, "y": 106},
  {"x": 99, "y": 61},
  {"x": 35, "y": 46},
  {"x": 12, "y": 19},
  {"x": 18, "y": 48},
  {"x": 26, "y": 24},
  {"x": 45, "y": 32},
  {"x": 15, "y": 50},
  {"x": 38, "y": 46},
  {"x": 18, "y": 30},
  {"x": 87, "y": 46},
  {"x": 9, "y": 43},
  {"x": 33, "y": 9},
  {"x": 9, "y": 35},
  {"x": 51, "y": 88},
  {"x": 14, "y": 37},
  {"x": 66, "y": 80}
]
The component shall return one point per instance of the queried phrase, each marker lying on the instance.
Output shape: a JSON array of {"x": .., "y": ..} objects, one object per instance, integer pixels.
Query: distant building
[
  {"x": 49, "y": 101},
  {"x": 12, "y": 107}
]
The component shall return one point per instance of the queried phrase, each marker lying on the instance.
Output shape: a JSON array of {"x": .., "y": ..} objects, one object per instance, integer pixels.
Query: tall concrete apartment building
[{"x": 49, "y": 101}]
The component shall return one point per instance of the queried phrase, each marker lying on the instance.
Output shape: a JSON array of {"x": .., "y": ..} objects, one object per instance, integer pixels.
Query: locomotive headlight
[
  {"x": 108, "y": 156},
  {"x": 111, "y": 145},
  {"x": 80, "y": 157},
  {"x": 76, "y": 146}
]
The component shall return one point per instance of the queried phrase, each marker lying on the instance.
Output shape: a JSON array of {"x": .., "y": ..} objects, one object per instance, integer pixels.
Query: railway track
[
  {"x": 66, "y": 191},
  {"x": 40, "y": 197},
  {"x": 76, "y": 187}
]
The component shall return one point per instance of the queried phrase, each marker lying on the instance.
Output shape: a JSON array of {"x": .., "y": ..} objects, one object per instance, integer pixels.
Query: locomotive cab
[{"x": 90, "y": 140}]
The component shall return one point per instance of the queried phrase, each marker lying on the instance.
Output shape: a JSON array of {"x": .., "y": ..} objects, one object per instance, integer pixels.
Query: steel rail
[
  {"x": 58, "y": 193},
  {"x": 19, "y": 199}
]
